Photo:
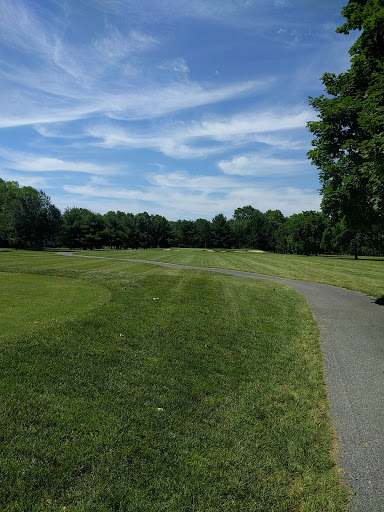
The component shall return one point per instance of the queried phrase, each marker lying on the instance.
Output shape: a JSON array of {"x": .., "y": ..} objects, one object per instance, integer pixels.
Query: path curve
[{"x": 352, "y": 340}]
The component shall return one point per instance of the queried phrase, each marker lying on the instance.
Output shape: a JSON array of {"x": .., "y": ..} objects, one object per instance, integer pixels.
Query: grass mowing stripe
[
  {"x": 364, "y": 275},
  {"x": 186, "y": 392}
]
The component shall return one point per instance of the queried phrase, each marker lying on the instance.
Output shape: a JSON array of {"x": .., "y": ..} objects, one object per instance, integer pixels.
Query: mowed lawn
[
  {"x": 364, "y": 275},
  {"x": 161, "y": 390}
]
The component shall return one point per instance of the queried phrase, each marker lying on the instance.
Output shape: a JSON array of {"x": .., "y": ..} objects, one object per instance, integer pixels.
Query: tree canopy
[
  {"x": 349, "y": 135},
  {"x": 27, "y": 216}
]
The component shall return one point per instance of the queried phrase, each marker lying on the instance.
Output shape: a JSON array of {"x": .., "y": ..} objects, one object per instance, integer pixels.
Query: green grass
[
  {"x": 175, "y": 391},
  {"x": 365, "y": 275},
  {"x": 31, "y": 300}
]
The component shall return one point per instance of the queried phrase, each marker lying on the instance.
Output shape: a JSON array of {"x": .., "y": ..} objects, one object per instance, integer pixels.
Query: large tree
[{"x": 349, "y": 135}]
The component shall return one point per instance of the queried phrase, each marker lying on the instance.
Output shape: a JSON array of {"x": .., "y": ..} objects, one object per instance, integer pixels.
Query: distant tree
[
  {"x": 182, "y": 233},
  {"x": 220, "y": 232},
  {"x": 349, "y": 135},
  {"x": 144, "y": 227},
  {"x": 161, "y": 231},
  {"x": 131, "y": 230},
  {"x": 302, "y": 233},
  {"x": 83, "y": 228},
  {"x": 273, "y": 219},
  {"x": 27, "y": 216},
  {"x": 247, "y": 227},
  {"x": 202, "y": 233},
  {"x": 115, "y": 229}
]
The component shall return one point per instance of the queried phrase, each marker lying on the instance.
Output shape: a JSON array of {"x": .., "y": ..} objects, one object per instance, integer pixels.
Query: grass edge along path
[{"x": 186, "y": 392}]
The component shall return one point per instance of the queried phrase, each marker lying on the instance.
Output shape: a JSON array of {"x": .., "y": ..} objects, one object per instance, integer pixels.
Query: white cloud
[
  {"x": 254, "y": 164},
  {"x": 251, "y": 123},
  {"x": 200, "y": 139},
  {"x": 59, "y": 103},
  {"x": 208, "y": 184},
  {"x": 170, "y": 144},
  {"x": 153, "y": 100},
  {"x": 287, "y": 199},
  {"x": 34, "y": 163},
  {"x": 91, "y": 190},
  {"x": 21, "y": 28}
]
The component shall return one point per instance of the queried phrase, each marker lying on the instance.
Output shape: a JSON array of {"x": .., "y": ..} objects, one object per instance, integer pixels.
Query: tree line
[{"x": 28, "y": 219}]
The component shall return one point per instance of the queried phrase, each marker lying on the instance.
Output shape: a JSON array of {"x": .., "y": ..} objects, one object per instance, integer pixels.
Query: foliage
[
  {"x": 220, "y": 232},
  {"x": 202, "y": 233},
  {"x": 273, "y": 219},
  {"x": 27, "y": 216},
  {"x": 247, "y": 227},
  {"x": 83, "y": 228},
  {"x": 302, "y": 233},
  {"x": 349, "y": 135},
  {"x": 182, "y": 233}
]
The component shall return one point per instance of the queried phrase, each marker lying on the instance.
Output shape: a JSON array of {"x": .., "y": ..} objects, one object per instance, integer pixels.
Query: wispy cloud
[
  {"x": 153, "y": 100},
  {"x": 33, "y": 163},
  {"x": 63, "y": 82},
  {"x": 254, "y": 164},
  {"x": 150, "y": 100},
  {"x": 250, "y": 123},
  {"x": 91, "y": 190},
  {"x": 185, "y": 180},
  {"x": 21, "y": 28},
  {"x": 199, "y": 139},
  {"x": 177, "y": 65}
]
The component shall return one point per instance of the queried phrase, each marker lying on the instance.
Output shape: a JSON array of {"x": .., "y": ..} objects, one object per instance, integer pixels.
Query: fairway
[
  {"x": 181, "y": 392},
  {"x": 364, "y": 275}
]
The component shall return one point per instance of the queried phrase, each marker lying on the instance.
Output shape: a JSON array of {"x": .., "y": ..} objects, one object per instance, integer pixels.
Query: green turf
[
  {"x": 184, "y": 391},
  {"x": 34, "y": 300},
  {"x": 365, "y": 275}
]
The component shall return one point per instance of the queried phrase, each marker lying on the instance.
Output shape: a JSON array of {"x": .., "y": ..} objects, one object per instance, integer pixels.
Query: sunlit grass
[
  {"x": 365, "y": 275},
  {"x": 184, "y": 391}
]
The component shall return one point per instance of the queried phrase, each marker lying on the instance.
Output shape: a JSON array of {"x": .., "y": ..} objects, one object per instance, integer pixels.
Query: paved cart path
[{"x": 352, "y": 340}]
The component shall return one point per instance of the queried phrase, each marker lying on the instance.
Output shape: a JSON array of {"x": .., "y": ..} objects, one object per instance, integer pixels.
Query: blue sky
[{"x": 183, "y": 108}]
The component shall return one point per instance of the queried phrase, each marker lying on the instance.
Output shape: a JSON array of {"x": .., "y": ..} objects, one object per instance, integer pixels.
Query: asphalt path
[{"x": 352, "y": 340}]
